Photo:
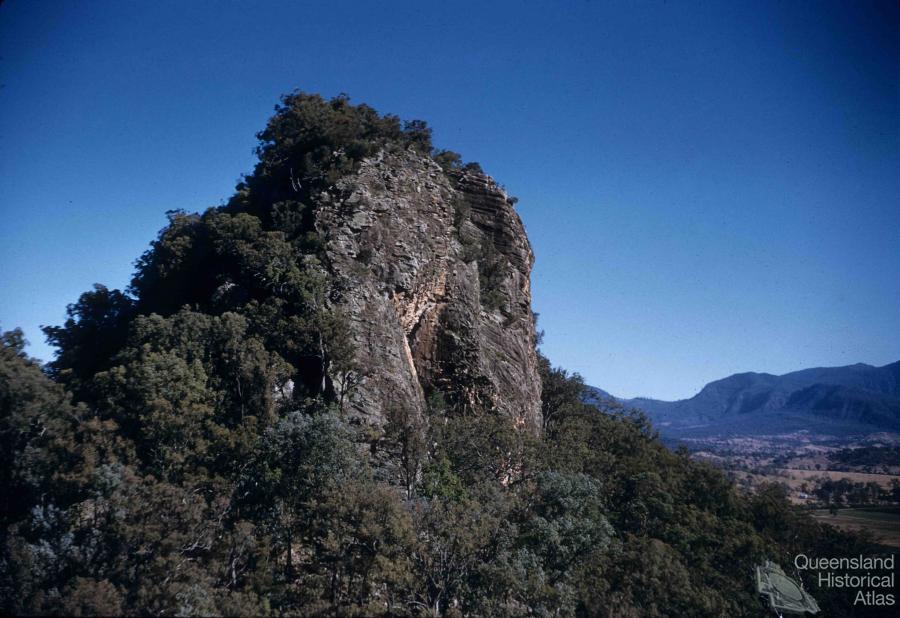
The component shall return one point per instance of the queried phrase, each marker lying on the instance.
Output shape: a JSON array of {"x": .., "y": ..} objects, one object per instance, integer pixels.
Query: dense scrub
[
  {"x": 161, "y": 502},
  {"x": 186, "y": 453}
]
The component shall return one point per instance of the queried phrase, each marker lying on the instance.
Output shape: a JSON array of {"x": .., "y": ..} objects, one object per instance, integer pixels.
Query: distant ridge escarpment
[{"x": 856, "y": 398}]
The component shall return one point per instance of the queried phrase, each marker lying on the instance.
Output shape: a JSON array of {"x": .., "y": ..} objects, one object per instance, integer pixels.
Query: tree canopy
[{"x": 185, "y": 453}]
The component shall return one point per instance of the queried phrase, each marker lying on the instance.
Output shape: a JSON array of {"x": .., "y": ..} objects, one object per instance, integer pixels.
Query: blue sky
[{"x": 710, "y": 187}]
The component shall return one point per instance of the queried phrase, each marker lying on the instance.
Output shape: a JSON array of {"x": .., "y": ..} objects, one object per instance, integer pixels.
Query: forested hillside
[
  {"x": 856, "y": 399},
  {"x": 190, "y": 451}
]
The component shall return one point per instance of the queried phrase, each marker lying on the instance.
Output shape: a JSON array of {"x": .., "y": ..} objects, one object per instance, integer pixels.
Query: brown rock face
[{"x": 432, "y": 273}]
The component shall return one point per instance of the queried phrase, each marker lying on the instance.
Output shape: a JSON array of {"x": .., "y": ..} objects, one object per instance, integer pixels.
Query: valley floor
[
  {"x": 814, "y": 475},
  {"x": 883, "y": 522}
]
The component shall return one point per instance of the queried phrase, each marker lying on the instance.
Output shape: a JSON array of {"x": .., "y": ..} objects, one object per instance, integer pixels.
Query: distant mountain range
[{"x": 836, "y": 400}]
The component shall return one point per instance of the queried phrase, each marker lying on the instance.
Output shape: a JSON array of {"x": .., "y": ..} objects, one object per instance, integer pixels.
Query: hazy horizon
[{"x": 709, "y": 189}]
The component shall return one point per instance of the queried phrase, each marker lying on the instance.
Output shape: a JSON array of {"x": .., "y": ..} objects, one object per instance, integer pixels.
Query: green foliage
[
  {"x": 35, "y": 414},
  {"x": 95, "y": 329},
  {"x": 185, "y": 493},
  {"x": 868, "y": 456},
  {"x": 310, "y": 143},
  {"x": 452, "y": 162},
  {"x": 561, "y": 394},
  {"x": 187, "y": 452}
]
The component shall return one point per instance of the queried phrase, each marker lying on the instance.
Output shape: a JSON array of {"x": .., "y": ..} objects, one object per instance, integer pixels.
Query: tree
[
  {"x": 188, "y": 452},
  {"x": 94, "y": 331}
]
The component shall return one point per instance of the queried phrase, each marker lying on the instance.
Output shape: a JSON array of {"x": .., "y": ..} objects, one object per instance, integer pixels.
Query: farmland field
[
  {"x": 882, "y": 521},
  {"x": 796, "y": 477}
]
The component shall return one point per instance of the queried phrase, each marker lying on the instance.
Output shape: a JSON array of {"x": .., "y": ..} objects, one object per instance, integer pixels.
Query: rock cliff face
[{"x": 432, "y": 272}]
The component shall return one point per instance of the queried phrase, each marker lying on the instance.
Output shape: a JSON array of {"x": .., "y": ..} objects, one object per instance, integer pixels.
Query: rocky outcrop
[{"x": 431, "y": 270}]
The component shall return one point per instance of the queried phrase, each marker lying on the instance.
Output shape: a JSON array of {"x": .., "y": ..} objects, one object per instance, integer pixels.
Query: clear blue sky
[{"x": 709, "y": 187}]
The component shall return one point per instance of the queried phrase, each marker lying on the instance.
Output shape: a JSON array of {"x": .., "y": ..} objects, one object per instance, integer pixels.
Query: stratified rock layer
[{"x": 432, "y": 272}]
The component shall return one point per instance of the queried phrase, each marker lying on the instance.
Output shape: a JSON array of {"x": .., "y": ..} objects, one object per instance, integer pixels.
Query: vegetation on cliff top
[{"x": 183, "y": 454}]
